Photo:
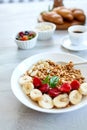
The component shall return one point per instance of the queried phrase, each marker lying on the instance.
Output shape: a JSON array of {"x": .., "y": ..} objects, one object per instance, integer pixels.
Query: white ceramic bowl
[
  {"x": 27, "y": 44},
  {"x": 24, "y": 66},
  {"x": 45, "y": 30}
]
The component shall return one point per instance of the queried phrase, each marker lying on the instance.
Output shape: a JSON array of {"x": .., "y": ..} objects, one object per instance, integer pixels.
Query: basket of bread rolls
[{"x": 63, "y": 17}]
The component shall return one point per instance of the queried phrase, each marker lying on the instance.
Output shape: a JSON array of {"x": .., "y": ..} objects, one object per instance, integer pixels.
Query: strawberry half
[
  {"x": 53, "y": 92},
  {"x": 37, "y": 82},
  {"x": 65, "y": 88},
  {"x": 44, "y": 88},
  {"x": 75, "y": 84}
]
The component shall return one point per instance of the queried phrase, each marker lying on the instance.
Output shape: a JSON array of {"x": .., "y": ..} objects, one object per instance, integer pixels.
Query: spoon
[{"x": 64, "y": 63}]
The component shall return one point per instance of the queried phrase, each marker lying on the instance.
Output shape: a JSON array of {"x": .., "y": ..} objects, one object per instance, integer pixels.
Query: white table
[{"x": 13, "y": 114}]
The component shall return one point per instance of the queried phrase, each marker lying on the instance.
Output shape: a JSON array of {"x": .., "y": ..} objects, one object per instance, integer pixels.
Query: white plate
[
  {"x": 66, "y": 43},
  {"x": 24, "y": 65}
]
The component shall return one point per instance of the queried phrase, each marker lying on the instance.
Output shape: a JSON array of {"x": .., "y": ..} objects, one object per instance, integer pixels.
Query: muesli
[{"x": 53, "y": 85}]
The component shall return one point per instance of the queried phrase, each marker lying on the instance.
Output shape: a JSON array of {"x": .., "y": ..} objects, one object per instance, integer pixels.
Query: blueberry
[{"x": 26, "y": 33}]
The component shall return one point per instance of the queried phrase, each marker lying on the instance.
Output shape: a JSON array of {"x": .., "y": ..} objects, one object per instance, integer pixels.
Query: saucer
[{"x": 66, "y": 43}]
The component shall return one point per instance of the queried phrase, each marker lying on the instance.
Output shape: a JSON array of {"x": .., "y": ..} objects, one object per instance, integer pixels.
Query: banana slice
[
  {"x": 83, "y": 89},
  {"x": 27, "y": 87},
  {"x": 75, "y": 97},
  {"x": 61, "y": 101},
  {"x": 45, "y": 101},
  {"x": 35, "y": 94},
  {"x": 24, "y": 79}
]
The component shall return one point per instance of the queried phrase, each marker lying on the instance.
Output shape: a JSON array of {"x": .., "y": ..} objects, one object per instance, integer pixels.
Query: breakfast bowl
[
  {"x": 30, "y": 92},
  {"x": 45, "y": 30},
  {"x": 26, "y": 39}
]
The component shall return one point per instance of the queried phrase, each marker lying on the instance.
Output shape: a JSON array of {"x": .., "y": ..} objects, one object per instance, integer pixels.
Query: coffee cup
[{"x": 77, "y": 34}]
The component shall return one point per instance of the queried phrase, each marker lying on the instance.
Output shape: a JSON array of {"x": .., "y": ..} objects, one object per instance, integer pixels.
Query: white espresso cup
[{"x": 77, "y": 34}]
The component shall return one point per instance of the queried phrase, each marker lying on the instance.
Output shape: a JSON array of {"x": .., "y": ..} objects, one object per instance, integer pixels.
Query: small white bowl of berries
[{"x": 26, "y": 39}]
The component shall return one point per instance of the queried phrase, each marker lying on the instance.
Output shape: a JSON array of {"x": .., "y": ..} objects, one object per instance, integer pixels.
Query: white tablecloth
[{"x": 13, "y": 114}]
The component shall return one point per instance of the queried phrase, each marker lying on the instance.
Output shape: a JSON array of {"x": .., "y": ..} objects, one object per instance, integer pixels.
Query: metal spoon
[{"x": 64, "y": 63}]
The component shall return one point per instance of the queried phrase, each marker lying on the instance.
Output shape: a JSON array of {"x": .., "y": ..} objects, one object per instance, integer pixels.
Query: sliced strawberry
[
  {"x": 44, "y": 88},
  {"x": 66, "y": 88},
  {"x": 37, "y": 82},
  {"x": 53, "y": 92},
  {"x": 75, "y": 84}
]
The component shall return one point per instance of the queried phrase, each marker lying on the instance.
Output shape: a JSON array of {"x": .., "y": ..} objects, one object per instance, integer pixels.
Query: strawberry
[
  {"x": 44, "y": 88},
  {"x": 75, "y": 84},
  {"x": 65, "y": 88},
  {"x": 37, "y": 82},
  {"x": 53, "y": 92}
]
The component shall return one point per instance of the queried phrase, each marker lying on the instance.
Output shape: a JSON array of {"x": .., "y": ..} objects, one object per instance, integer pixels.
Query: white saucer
[{"x": 66, "y": 43}]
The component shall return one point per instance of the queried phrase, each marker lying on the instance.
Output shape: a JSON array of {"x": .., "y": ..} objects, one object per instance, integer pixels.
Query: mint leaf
[
  {"x": 53, "y": 81},
  {"x": 46, "y": 80}
]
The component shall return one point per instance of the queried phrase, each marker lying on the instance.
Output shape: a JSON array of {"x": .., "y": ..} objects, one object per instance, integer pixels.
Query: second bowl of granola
[{"x": 45, "y": 30}]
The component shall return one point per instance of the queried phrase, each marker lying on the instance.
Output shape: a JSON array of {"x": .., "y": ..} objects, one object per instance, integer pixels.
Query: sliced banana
[
  {"x": 27, "y": 87},
  {"x": 83, "y": 89},
  {"x": 45, "y": 101},
  {"x": 35, "y": 94},
  {"x": 75, "y": 97},
  {"x": 24, "y": 79},
  {"x": 61, "y": 101}
]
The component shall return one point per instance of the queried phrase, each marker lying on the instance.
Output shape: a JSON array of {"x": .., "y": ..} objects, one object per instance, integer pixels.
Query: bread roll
[
  {"x": 52, "y": 17},
  {"x": 64, "y": 12},
  {"x": 79, "y": 15}
]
